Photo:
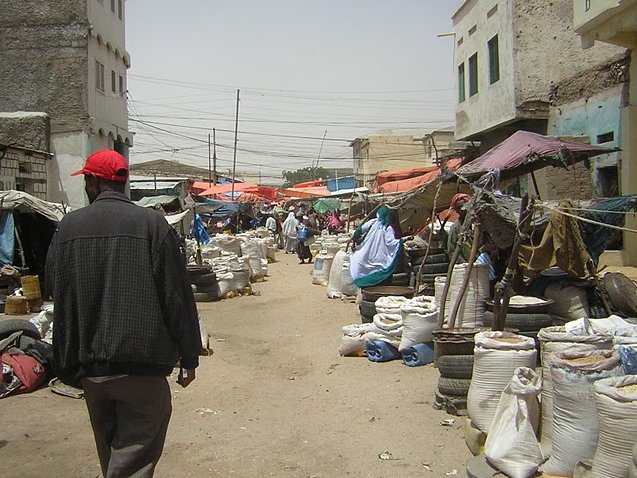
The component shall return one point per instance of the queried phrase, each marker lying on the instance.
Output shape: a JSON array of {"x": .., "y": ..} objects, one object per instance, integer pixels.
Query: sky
[{"x": 311, "y": 75}]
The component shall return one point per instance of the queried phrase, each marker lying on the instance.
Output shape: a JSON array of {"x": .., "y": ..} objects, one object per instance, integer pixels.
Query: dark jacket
[{"x": 123, "y": 303}]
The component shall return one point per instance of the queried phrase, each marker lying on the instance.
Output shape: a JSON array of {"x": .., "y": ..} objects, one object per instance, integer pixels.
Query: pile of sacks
[
  {"x": 584, "y": 396},
  {"x": 402, "y": 328}
]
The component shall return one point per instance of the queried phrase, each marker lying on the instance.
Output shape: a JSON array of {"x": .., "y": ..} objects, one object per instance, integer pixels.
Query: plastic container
[
  {"x": 418, "y": 354},
  {"x": 379, "y": 351}
]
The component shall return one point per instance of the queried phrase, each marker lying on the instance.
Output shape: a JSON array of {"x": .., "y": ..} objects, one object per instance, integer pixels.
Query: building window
[
  {"x": 461, "y": 80},
  {"x": 121, "y": 84},
  {"x": 492, "y": 12},
  {"x": 99, "y": 76},
  {"x": 587, "y": 5},
  {"x": 606, "y": 137},
  {"x": 113, "y": 82},
  {"x": 120, "y": 9},
  {"x": 473, "y": 74},
  {"x": 494, "y": 60}
]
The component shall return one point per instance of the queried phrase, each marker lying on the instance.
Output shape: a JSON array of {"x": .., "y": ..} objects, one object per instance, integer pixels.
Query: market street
[{"x": 275, "y": 399}]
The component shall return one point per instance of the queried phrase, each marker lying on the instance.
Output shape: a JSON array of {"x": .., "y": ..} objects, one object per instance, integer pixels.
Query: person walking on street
[
  {"x": 289, "y": 231},
  {"x": 124, "y": 317},
  {"x": 305, "y": 237}
]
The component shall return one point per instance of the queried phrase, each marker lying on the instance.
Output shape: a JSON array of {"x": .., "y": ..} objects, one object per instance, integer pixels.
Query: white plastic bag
[
  {"x": 321, "y": 270},
  {"x": 471, "y": 309},
  {"x": 512, "y": 445}
]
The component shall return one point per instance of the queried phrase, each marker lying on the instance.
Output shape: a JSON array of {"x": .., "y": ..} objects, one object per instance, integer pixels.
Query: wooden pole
[
  {"x": 503, "y": 288},
  {"x": 452, "y": 263},
  {"x": 467, "y": 275}
]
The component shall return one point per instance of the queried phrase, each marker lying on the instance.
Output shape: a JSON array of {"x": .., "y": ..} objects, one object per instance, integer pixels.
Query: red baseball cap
[{"x": 105, "y": 164}]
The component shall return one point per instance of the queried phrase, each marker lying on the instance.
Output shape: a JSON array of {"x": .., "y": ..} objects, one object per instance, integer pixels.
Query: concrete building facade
[
  {"x": 389, "y": 151},
  {"x": 614, "y": 23},
  {"x": 67, "y": 59},
  {"x": 508, "y": 53}
]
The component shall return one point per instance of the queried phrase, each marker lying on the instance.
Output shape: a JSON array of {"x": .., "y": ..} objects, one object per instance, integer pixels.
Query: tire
[
  {"x": 522, "y": 322},
  {"x": 205, "y": 296},
  {"x": 438, "y": 268},
  {"x": 431, "y": 278},
  {"x": 431, "y": 259},
  {"x": 194, "y": 269},
  {"x": 367, "y": 309},
  {"x": 203, "y": 279},
  {"x": 402, "y": 278},
  {"x": 456, "y": 366},
  {"x": 7, "y": 327},
  {"x": 206, "y": 288},
  {"x": 456, "y": 387}
]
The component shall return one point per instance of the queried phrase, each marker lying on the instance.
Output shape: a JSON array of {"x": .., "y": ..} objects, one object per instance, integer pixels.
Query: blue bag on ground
[
  {"x": 419, "y": 354},
  {"x": 379, "y": 351},
  {"x": 628, "y": 357}
]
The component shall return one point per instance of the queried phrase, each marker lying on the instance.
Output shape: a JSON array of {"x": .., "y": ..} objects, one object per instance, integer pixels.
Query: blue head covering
[{"x": 383, "y": 215}]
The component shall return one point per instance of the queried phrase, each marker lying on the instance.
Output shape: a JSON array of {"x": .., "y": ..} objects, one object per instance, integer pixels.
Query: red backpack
[{"x": 27, "y": 369}]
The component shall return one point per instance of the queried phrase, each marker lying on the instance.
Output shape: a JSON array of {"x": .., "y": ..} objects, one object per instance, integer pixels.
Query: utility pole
[
  {"x": 234, "y": 155},
  {"x": 209, "y": 171},
  {"x": 214, "y": 156},
  {"x": 319, "y": 155}
]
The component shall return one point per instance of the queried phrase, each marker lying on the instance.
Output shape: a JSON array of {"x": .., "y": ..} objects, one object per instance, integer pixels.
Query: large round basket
[{"x": 372, "y": 294}]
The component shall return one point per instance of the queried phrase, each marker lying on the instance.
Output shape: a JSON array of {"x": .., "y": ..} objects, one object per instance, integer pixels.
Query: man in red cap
[{"x": 124, "y": 317}]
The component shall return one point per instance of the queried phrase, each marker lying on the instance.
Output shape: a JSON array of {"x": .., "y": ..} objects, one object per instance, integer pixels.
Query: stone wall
[
  {"x": 30, "y": 131},
  {"x": 44, "y": 60}
]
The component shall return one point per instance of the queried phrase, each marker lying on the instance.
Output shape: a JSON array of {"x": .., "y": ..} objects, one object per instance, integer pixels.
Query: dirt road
[{"x": 275, "y": 399}]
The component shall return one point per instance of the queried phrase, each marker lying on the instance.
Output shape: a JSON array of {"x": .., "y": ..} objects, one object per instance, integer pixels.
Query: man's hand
[{"x": 186, "y": 375}]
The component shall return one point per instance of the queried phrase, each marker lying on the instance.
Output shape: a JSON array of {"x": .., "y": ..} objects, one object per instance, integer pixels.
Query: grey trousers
[{"x": 129, "y": 416}]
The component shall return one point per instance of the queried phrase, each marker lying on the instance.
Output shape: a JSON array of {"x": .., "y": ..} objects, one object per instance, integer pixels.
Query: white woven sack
[
  {"x": 241, "y": 279},
  {"x": 334, "y": 282},
  {"x": 575, "y": 424},
  {"x": 493, "y": 366},
  {"x": 420, "y": 319},
  {"x": 353, "y": 340},
  {"x": 554, "y": 340},
  {"x": 569, "y": 302},
  {"x": 321, "y": 270},
  {"x": 390, "y": 304},
  {"x": 251, "y": 248},
  {"x": 348, "y": 288},
  {"x": 391, "y": 324},
  {"x": 633, "y": 464},
  {"x": 225, "y": 283},
  {"x": 617, "y": 413},
  {"x": 439, "y": 287},
  {"x": 227, "y": 244},
  {"x": 512, "y": 445},
  {"x": 471, "y": 311}
]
